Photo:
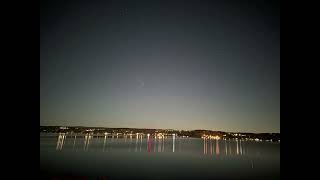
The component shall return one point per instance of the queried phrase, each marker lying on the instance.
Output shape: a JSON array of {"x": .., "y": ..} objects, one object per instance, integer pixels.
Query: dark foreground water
[{"x": 92, "y": 157}]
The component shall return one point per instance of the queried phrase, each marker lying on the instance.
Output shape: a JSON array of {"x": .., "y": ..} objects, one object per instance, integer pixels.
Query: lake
[{"x": 109, "y": 157}]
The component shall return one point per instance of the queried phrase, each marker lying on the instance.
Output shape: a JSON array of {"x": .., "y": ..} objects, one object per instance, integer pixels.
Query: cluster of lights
[
  {"x": 159, "y": 136},
  {"x": 210, "y": 137}
]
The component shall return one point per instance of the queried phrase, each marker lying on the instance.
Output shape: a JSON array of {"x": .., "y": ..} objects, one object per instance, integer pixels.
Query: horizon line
[{"x": 167, "y": 128}]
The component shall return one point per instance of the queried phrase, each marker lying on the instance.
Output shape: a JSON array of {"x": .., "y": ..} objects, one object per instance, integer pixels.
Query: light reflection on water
[
  {"x": 135, "y": 143},
  {"x": 223, "y": 147},
  {"x": 61, "y": 140},
  {"x": 108, "y": 155}
]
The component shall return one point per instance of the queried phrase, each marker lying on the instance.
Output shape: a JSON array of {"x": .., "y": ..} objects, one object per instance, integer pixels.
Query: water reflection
[
  {"x": 204, "y": 154},
  {"x": 130, "y": 143},
  {"x": 104, "y": 142},
  {"x": 61, "y": 141},
  {"x": 140, "y": 143},
  {"x": 215, "y": 147},
  {"x": 212, "y": 146},
  {"x": 87, "y": 139},
  {"x": 159, "y": 145},
  {"x": 136, "y": 147},
  {"x": 204, "y": 146},
  {"x": 74, "y": 141},
  {"x": 162, "y": 145},
  {"x": 149, "y": 144},
  {"x": 237, "y": 147},
  {"x": 226, "y": 147},
  {"x": 173, "y": 141}
]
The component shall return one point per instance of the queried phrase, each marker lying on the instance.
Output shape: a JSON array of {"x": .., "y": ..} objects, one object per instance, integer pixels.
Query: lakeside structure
[{"x": 160, "y": 133}]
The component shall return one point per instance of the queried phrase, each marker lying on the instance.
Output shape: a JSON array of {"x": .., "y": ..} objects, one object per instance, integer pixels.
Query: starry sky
[{"x": 189, "y": 64}]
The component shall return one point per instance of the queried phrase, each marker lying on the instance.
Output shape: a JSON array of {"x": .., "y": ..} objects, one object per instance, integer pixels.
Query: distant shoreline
[
  {"x": 135, "y": 128},
  {"x": 207, "y": 134}
]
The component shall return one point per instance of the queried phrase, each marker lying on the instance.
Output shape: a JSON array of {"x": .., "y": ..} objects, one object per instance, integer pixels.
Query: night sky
[{"x": 161, "y": 64}]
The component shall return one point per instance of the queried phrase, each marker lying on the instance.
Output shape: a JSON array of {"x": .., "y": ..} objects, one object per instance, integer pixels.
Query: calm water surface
[{"x": 148, "y": 158}]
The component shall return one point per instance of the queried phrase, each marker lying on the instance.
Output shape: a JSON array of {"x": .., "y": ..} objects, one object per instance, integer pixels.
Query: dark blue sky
[{"x": 161, "y": 64}]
